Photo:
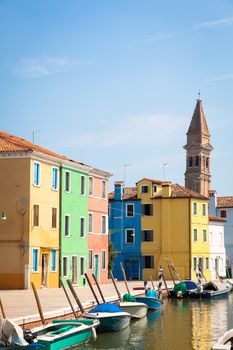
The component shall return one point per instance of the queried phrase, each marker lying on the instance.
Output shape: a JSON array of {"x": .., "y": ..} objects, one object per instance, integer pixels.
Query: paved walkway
[{"x": 20, "y": 305}]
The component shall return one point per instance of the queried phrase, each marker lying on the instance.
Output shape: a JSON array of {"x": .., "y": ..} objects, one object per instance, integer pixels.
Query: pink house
[{"x": 98, "y": 225}]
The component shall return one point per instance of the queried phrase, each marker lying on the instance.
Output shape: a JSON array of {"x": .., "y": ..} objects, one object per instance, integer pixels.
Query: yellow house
[
  {"x": 174, "y": 224},
  {"x": 29, "y": 206}
]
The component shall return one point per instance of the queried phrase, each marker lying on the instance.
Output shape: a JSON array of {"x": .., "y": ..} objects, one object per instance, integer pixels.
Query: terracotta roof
[
  {"x": 129, "y": 193},
  {"x": 225, "y": 202},
  {"x": 11, "y": 143},
  {"x": 178, "y": 191},
  {"x": 154, "y": 181},
  {"x": 216, "y": 218}
]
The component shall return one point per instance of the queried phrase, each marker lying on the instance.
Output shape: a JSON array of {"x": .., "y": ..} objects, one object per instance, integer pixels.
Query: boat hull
[
  {"x": 109, "y": 321},
  {"x": 209, "y": 294},
  {"x": 152, "y": 303},
  {"x": 135, "y": 309}
]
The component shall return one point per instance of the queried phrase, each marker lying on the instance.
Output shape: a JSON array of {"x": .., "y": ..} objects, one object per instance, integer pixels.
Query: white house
[{"x": 217, "y": 247}]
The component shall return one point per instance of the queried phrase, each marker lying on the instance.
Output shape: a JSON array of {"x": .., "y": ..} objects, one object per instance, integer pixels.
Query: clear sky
[{"x": 112, "y": 82}]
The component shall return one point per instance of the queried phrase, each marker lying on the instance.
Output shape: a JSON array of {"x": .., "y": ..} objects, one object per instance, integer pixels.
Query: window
[
  {"x": 194, "y": 263},
  {"x": 148, "y": 262},
  {"x": 36, "y": 215},
  {"x": 147, "y": 235},
  {"x": 129, "y": 210},
  {"x": 53, "y": 261},
  {"x": 82, "y": 227},
  {"x": 220, "y": 238},
  {"x": 83, "y": 185},
  {"x": 204, "y": 236},
  {"x": 67, "y": 181},
  {"x": 103, "y": 259},
  {"x": 147, "y": 209},
  {"x": 194, "y": 208},
  {"x": 90, "y": 259},
  {"x": 82, "y": 266},
  {"x": 211, "y": 237},
  {"x": 103, "y": 189},
  {"x": 90, "y": 222},
  {"x": 197, "y": 161},
  {"x": 204, "y": 209},
  {"x": 55, "y": 178},
  {"x": 34, "y": 260},
  {"x": 195, "y": 235},
  {"x": 206, "y": 263},
  {"x": 103, "y": 228},
  {"x": 54, "y": 218},
  {"x": 129, "y": 236},
  {"x": 190, "y": 162},
  {"x": 36, "y": 179},
  {"x": 207, "y": 162},
  {"x": 155, "y": 188},
  {"x": 67, "y": 225},
  {"x": 144, "y": 189},
  {"x": 223, "y": 214},
  {"x": 65, "y": 266},
  {"x": 90, "y": 186}
]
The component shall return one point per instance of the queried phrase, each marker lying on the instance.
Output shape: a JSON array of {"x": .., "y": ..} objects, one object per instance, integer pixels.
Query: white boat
[
  {"x": 135, "y": 309},
  {"x": 111, "y": 317},
  {"x": 225, "y": 342}
]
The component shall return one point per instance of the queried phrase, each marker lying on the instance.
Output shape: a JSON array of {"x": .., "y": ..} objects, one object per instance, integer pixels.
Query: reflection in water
[{"x": 182, "y": 325}]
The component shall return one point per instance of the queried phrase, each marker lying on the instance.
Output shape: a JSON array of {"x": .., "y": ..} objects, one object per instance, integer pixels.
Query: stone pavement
[{"x": 20, "y": 305}]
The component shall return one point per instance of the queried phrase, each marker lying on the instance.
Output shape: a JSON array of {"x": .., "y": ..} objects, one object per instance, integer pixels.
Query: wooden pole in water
[
  {"x": 114, "y": 283},
  {"x": 2, "y": 309},
  {"x": 98, "y": 286},
  {"x": 171, "y": 274},
  {"x": 38, "y": 303},
  {"x": 124, "y": 276},
  {"x": 75, "y": 295},
  {"x": 160, "y": 283},
  {"x": 92, "y": 289},
  {"x": 152, "y": 282},
  {"x": 68, "y": 298},
  {"x": 165, "y": 283}
]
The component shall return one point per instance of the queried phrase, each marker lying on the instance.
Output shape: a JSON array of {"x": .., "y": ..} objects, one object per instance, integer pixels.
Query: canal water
[{"x": 182, "y": 325}]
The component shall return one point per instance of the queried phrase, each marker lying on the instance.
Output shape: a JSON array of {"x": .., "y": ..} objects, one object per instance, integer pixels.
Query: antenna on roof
[
  {"x": 164, "y": 165},
  {"x": 33, "y": 135}
]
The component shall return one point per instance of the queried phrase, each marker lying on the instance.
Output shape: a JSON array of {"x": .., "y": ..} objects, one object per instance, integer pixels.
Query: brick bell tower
[{"x": 198, "y": 148}]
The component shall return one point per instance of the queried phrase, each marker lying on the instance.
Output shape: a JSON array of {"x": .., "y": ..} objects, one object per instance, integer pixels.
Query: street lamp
[
  {"x": 3, "y": 216},
  {"x": 164, "y": 165}
]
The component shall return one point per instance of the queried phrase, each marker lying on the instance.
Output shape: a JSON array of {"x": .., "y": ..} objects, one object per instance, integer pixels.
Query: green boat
[
  {"x": 58, "y": 335},
  {"x": 62, "y": 334}
]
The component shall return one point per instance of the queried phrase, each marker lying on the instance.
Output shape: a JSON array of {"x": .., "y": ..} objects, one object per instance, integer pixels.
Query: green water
[{"x": 182, "y": 325}]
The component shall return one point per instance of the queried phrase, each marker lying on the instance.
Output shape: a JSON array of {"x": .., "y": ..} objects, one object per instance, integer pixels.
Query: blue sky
[{"x": 115, "y": 82}]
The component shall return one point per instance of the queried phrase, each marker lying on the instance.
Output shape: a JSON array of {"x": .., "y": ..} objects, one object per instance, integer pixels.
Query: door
[
  {"x": 134, "y": 269},
  {"x": 44, "y": 276},
  {"x": 74, "y": 269},
  {"x": 201, "y": 266},
  {"x": 96, "y": 267}
]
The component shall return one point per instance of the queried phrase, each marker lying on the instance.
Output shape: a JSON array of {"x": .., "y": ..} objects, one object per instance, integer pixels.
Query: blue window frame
[
  {"x": 36, "y": 179},
  {"x": 54, "y": 178},
  {"x": 53, "y": 261},
  {"x": 35, "y": 260}
]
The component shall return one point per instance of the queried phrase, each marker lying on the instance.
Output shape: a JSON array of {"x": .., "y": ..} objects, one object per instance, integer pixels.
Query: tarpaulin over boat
[{"x": 106, "y": 308}]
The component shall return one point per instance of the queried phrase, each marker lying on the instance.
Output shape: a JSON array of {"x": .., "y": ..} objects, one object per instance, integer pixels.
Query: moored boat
[
  {"x": 110, "y": 316},
  {"x": 63, "y": 334},
  {"x": 151, "y": 300},
  {"x": 225, "y": 342},
  {"x": 135, "y": 309}
]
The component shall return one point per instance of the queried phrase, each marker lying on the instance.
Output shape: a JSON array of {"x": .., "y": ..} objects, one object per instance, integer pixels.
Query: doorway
[
  {"x": 74, "y": 269},
  {"x": 96, "y": 267},
  {"x": 44, "y": 276}
]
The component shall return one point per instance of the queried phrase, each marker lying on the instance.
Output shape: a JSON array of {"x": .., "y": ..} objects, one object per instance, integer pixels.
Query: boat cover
[
  {"x": 151, "y": 293},
  {"x": 11, "y": 333},
  {"x": 180, "y": 287},
  {"x": 190, "y": 285},
  {"x": 106, "y": 308},
  {"x": 129, "y": 297}
]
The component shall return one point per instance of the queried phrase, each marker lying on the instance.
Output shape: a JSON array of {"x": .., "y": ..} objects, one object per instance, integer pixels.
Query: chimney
[
  {"x": 213, "y": 202},
  {"x": 118, "y": 190},
  {"x": 166, "y": 189}
]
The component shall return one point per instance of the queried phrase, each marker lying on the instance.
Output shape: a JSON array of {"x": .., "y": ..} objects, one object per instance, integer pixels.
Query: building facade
[
  {"x": 125, "y": 231},
  {"x": 98, "y": 225}
]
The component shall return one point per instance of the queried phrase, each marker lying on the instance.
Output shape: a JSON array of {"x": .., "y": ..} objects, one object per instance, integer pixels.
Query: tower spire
[{"x": 198, "y": 148}]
